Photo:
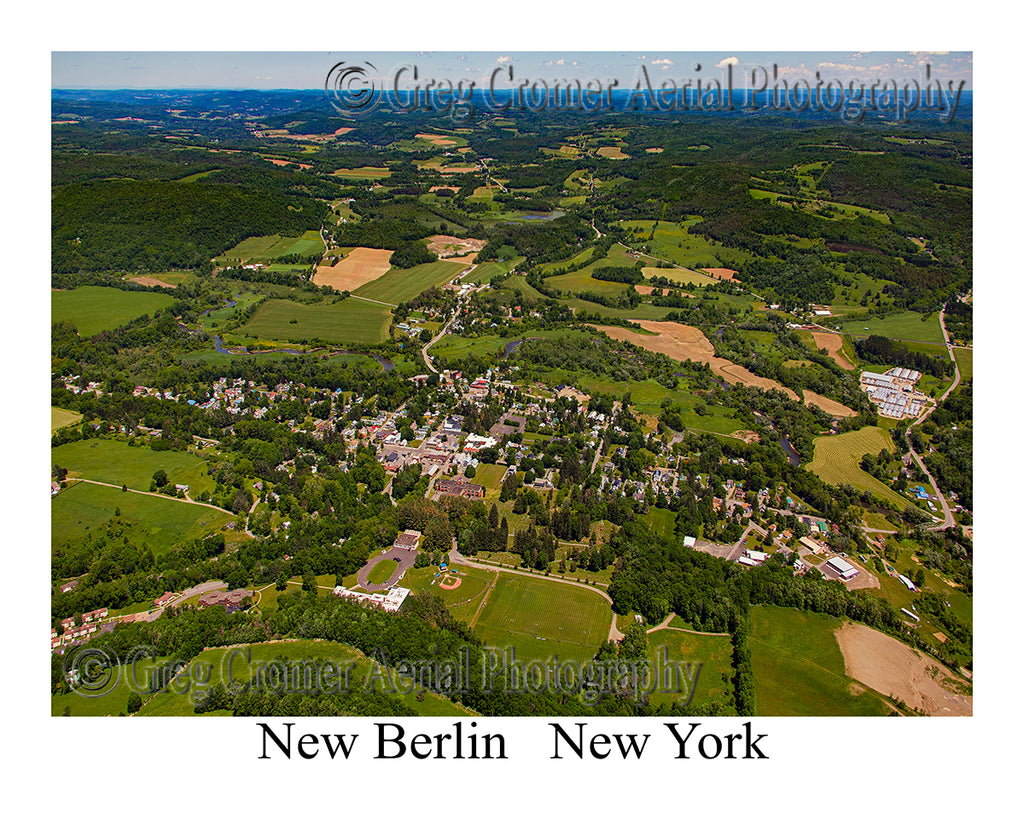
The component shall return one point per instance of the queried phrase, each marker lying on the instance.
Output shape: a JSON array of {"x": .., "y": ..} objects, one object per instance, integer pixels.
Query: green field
[
  {"x": 272, "y": 247},
  {"x": 661, "y": 521},
  {"x": 965, "y": 360},
  {"x": 580, "y": 280},
  {"x": 679, "y": 275},
  {"x": 908, "y": 326},
  {"x": 485, "y": 270},
  {"x": 541, "y": 619},
  {"x": 490, "y": 476},
  {"x": 402, "y": 285},
  {"x": 94, "y": 309},
  {"x": 111, "y": 700},
  {"x": 837, "y": 461},
  {"x": 714, "y": 653},
  {"x": 382, "y": 571},
  {"x": 675, "y": 243},
  {"x": 60, "y": 418},
  {"x": 363, "y": 173},
  {"x": 245, "y": 660},
  {"x": 799, "y": 669},
  {"x": 118, "y": 463},
  {"x": 352, "y": 321},
  {"x": 164, "y": 521},
  {"x": 462, "y": 601}
]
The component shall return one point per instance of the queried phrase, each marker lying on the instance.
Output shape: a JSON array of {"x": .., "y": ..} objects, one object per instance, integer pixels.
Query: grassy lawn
[
  {"x": 402, "y": 285},
  {"x": 799, "y": 669},
  {"x": 111, "y": 700},
  {"x": 94, "y": 309},
  {"x": 382, "y": 571},
  {"x": 490, "y": 477},
  {"x": 165, "y": 521},
  {"x": 965, "y": 360},
  {"x": 352, "y": 321},
  {"x": 910, "y": 326},
  {"x": 118, "y": 463},
  {"x": 60, "y": 418},
  {"x": 714, "y": 677},
  {"x": 541, "y": 619},
  {"x": 661, "y": 521},
  {"x": 462, "y": 601},
  {"x": 245, "y": 660},
  {"x": 837, "y": 461}
]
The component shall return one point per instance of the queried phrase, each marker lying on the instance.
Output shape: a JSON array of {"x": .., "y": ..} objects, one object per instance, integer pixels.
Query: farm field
[
  {"x": 242, "y": 662},
  {"x": 402, "y": 285},
  {"x": 164, "y": 521},
  {"x": 485, "y": 270},
  {"x": 94, "y": 309},
  {"x": 361, "y": 266},
  {"x": 965, "y": 360},
  {"x": 799, "y": 668},
  {"x": 675, "y": 243},
  {"x": 60, "y": 418},
  {"x": 271, "y": 247},
  {"x": 363, "y": 173},
  {"x": 837, "y": 461},
  {"x": 681, "y": 275},
  {"x": 118, "y": 463},
  {"x": 542, "y": 618},
  {"x": 907, "y": 326},
  {"x": 712, "y": 651},
  {"x": 352, "y": 321}
]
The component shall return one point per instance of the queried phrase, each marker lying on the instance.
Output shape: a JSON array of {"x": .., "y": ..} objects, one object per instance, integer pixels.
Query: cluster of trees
[{"x": 883, "y": 350}]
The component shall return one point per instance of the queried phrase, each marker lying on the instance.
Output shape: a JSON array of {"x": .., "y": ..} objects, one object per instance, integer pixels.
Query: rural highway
[
  {"x": 426, "y": 358},
  {"x": 947, "y": 513}
]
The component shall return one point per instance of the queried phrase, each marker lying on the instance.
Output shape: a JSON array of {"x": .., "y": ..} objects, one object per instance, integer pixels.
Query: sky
[{"x": 308, "y": 70}]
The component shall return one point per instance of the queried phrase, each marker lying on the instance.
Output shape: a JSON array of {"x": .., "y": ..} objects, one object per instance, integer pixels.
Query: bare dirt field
[
  {"x": 436, "y": 139},
  {"x": 150, "y": 281},
  {"x": 896, "y": 670},
  {"x": 646, "y": 290},
  {"x": 832, "y": 343},
  {"x": 724, "y": 273},
  {"x": 362, "y": 265},
  {"x": 654, "y": 150},
  {"x": 685, "y": 343},
  {"x": 445, "y": 246}
]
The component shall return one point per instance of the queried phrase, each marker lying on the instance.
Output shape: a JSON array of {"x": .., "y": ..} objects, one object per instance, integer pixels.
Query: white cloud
[
  {"x": 504, "y": 59},
  {"x": 728, "y": 61},
  {"x": 665, "y": 61}
]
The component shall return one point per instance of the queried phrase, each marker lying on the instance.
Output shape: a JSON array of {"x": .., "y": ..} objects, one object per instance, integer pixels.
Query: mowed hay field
[
  {"x": 681, "y": 275},
  {"x": 713, "y": 681},
  {"x": 272, "y": 247},
  {"x": 117, "y": 463},
  {"x": 94, "y": 309},
  {"x": 352, "y": 321},
  {"x": 164, "y": 521},
  {"x": 360, "y": 266},
  {"x": 402, "y": 285},
  {"x": 837, "y": 461},
  {"x": 908, "y": 326},
  {"x": 799, "y": 669},
  {"x": 60, "y": 418},
  {"x": 543, "y": 618}
]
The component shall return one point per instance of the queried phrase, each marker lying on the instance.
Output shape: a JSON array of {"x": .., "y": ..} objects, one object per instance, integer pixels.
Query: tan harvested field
[
  {"x": 833, "y": 408},
  {"x": 469, "y": 258},
  {"x": 685, "y": 343},
  {"x": 343, "y": 131},
  {"x": 612, "y": 152},
  {"x": 443, "y": 188},
  {"x": 896, "y": 670},
  {"x": 832, "y": 343},
  {"x": 436, "y": 139},
  {"x": 282, "y": 162},
  {"x": 654, "y": 150},
  {"x": 720, "y": 273},
  {"x": 445, "y": 246},
  {"x": 362, "y": 265},
  {"x": 150, "y": 281}
]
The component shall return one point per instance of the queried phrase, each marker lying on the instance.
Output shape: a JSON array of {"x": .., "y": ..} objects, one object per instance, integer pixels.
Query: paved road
[{"x": 947, "y": 513}]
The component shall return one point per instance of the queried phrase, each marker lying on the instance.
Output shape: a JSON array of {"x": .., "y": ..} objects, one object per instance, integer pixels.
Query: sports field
[
  {"x": 799, "y": 668},
  {"x": 713, "y": 681},
  {"x": 60, "y": 418},
  {"x": 542, "y": 619},
  {"x": 115, "y": 462},
  {"x": 352, "y": 321},
  {"x": 94, "y": 309},
  {"x": 837, "y": 461},
  {"x": 908, "y": 326},
  {"x": 164, "y": 521},
  {"x": 464, "y": 600},
  {"x": 402, "y": 285}
]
